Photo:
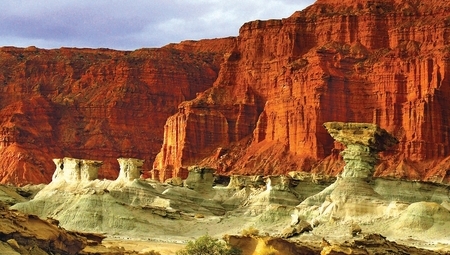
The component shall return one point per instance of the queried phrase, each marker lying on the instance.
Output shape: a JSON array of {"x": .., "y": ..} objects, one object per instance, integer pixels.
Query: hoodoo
[
  {"x": 130, "y": 169},
  {"x": 351, "y": 205},
  {"x": 363, "y": 141},
  {"x": 350, "y": 194},
  {"x": 253, "y": 104},
  {"x": 76, "y": 170}
]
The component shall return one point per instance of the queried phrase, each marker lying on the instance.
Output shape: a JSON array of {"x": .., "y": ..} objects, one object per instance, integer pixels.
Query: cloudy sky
[{"x": 130, "y": 24}]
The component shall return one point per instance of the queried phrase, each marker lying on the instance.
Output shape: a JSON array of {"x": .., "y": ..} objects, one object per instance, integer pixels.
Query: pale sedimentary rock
[
  {"x": 59, "y": 169},
  {"x": 363, "y": 141},
  {"x": 130, "y": 168},
  {"x": 241, "y": 181},
  {"x": 200, "y": 178},
  {"x": 351, "y": 196},
  {"x": 89, "y": 169},
  {"x": 278, "y": 182},
  {"x": 279, "y": 191},
  {"x": 71, "y": 169},
  {"x": 75, "y": 170}
]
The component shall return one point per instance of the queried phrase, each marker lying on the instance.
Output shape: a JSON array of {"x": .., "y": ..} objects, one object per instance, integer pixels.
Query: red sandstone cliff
[
  {"x": 384, "y": 62},
  {"x": 252, "y": 104},
  {"x": 96, "y": 104}
]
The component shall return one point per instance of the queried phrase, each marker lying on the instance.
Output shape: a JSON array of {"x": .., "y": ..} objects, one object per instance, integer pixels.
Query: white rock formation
[
  {"x": 240, "y": 181},
  {"x": 130, "y": 169},
  {"x": 89, "y": 169},
  {"x": 278, "y": 182},
  {"x": 200, "y": 179},
  {"x": 75, "y": 170},
  {"x": 363, "y": 141},
  {"x": 59, "y": 172},
  {"x": 351, "y": 196}
]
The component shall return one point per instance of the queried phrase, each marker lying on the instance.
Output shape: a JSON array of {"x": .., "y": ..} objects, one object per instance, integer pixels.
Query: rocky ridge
[
  {"x": 251, "y": 104},
  {"x": 382, "y": 62},
  {"x": 283, "y": 214},
  {"x": 91, "y": 103},
  {"x": 27, "y": 234}
]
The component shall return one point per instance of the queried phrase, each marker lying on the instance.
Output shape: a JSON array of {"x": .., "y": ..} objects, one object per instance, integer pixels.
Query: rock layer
[
  {"x": 382, "y": 62},
  {"x": 27, "y": 234},
  {"x": 363, "y": 141},
  {"x": 251, "y": 104},
  {"x": 75, "y": 170},
  {"x": 92, "y": 103},
  {"x": 351, "y": 196}
]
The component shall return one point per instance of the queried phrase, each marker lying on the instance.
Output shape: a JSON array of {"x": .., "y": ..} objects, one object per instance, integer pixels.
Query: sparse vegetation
[
  {"x": 251, "y": 231},
  {"x": 206, "y": 245},
  {"x": 151, "y": 253}
]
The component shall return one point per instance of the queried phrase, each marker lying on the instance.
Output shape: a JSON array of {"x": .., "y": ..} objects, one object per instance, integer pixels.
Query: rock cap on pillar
[
  {"x": 367, "y": 134},
  {"x": 89, "y": 169},
  {"x": 130, "y": 168},
  {"x": 76, "y": 170},
  {"x": 362, "y": 141}
]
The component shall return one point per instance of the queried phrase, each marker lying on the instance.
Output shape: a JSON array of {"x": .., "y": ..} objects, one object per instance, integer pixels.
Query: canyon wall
[
  {"x": 384, "y": 62},
  {"x": 92, "y": 103},
  {"x": 251, "y": 104}
]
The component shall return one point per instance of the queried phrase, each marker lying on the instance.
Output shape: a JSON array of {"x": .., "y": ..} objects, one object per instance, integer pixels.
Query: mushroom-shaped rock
[
  {"x": 351, "y": 196},
  {"x": 363, "y": 141},
  {"x": 76, "y": 170},
  {"x": 130, "y": 169},
  {"x": 89, "y": 169}
]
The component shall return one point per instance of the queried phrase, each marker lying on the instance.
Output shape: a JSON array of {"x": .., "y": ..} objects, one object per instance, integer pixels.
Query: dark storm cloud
[{"x": 129, "y": 24}]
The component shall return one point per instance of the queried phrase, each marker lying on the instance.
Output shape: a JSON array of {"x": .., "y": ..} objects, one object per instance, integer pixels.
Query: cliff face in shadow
[{"x": 251, "y": 104}]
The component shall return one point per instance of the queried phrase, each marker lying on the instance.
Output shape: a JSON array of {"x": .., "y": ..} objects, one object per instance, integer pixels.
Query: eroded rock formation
[
  {"x": 252, "y": 205},
  {"x": 382, "y": 62},
  {"x": 251, "y": 104},
  {"x": 27, "y": 234},
  {"x": 72, "y": 170},
  {"x": 76, "y": 170},
  {"x": 200, "y": 179},
  {"x": 93, "y": 103},
  {"x": 363, "y": 142},
  {"x": 130, "y": 169},
  {"x": 351, "y": 196},
  {"x": 352, "y": 200}
]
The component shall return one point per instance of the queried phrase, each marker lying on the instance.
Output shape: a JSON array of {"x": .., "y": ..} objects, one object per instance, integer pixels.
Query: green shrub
[
  {"x": 251, "y": 231},
  {"x": 206, "y": 245}
]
